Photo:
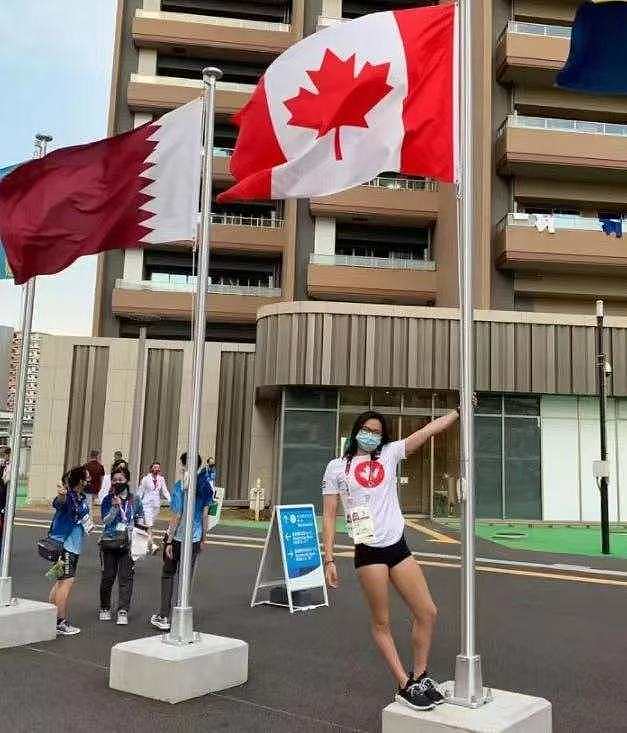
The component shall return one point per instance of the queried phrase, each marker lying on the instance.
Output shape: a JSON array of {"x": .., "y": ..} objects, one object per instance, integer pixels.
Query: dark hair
[
  {"x": 94, "y": 453},
  {"x": 351, "y": 448},
  {"x": 65, "y": 478},
  {"x": 155, "y": 463},
  {"x": 116, "y": 464},
  {"x": 124, "y": 471},
  {"x": 184, "y": 460},
  {"x": 75, "y": 476}
]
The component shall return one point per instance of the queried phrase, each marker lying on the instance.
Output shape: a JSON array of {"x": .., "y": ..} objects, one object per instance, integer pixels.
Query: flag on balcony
[
  {"x": 119, "y": 193},
  {"x": 597, "y": 63},
  {"x": 365, "y": 96}
]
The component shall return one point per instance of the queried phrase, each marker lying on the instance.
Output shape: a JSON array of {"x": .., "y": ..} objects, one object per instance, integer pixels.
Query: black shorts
[
  {"x": 70, "y": 563},
  {"x": 391, "y": 555}
]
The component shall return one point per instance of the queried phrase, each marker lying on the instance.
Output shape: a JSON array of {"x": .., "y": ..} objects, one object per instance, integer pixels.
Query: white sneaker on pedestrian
[
  {"x": 65, "y": 629},
  {"x": 104, "y": 615},
  {"x": 160, "y": 622},
  {"x": 122, "y": 618}
]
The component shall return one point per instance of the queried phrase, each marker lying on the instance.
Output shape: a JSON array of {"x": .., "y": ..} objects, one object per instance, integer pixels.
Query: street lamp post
[{"x": 604, "y": 472}]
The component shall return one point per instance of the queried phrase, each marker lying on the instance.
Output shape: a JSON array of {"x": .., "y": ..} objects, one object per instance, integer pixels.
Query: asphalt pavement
[{"x": 557, "y": 637}]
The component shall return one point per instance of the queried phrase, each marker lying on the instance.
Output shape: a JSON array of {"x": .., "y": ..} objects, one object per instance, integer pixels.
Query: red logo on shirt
[{"x": 369, "y": 474}]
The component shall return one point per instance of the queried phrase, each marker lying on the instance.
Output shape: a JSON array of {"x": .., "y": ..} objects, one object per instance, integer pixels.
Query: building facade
[
  {"x": 32, "y": 374},
  {"x": 348, "y": 301}
]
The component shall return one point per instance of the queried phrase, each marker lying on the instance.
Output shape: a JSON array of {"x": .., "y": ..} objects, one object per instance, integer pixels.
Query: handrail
[
  {"x": 560, "y": 125},
  {"x": 537, "y": 29},
  {"x": 389, "y": 263},
  {"x": 239, "y": 220},
  {"x": 190, "y": 286},
  {"x": 401, "y": 183},
  {"x": 560, "y": 221}
]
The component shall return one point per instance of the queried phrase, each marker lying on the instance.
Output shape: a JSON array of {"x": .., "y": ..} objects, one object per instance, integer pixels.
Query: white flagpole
[
  {"x": 6, "y": 583},
  {"x": 182, "y": 626},
  {"x": 468, "y": 690}
]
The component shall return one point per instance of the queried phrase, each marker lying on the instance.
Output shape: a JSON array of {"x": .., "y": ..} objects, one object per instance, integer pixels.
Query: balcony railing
[
  {"x": 238, "y": 220},
  {"x": 224, "y": 86},
  {"x": 537, "y": 29},
  {"x": 403, "y": 184},
  {"x": 559, "y": 221},
  {"x": 190, "y": 286},
  {"x": 223, "y": 152},
  {"x": 559, "y": 125},
  {"x": 257, "y": 25},
  {"x": 389, "y": 263}
]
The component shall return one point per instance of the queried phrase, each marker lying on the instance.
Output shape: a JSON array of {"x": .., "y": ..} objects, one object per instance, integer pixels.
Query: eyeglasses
[{"x": 374, "y": 433}]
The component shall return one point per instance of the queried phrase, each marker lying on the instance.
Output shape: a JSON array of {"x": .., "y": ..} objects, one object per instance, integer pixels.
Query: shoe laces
[{"x": 426, "y": 683}]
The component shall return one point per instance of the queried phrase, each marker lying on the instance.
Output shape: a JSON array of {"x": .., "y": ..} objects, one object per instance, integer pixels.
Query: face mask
[
  {"x": 122, "y": 490},
  {"x": 367, "y": 441}
]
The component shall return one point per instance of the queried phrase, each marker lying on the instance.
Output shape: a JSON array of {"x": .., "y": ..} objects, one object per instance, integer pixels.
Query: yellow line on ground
[{"x": 437, "y": 536}]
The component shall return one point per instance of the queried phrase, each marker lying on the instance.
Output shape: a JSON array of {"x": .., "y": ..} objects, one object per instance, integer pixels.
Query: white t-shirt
[{"x": 372, "y": 483}]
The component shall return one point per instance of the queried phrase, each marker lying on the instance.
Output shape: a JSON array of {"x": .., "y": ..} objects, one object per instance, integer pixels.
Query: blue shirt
[
  {"x": 127, "y": 514},
  {"x": 204, "y": 497},
  {"x": 66, "y": 524}
]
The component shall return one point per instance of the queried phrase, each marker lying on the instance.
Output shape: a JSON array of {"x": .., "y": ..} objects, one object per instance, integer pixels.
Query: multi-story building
[
  {"x": 320, "y": 309},
  {"x": 32, "y": 374}
]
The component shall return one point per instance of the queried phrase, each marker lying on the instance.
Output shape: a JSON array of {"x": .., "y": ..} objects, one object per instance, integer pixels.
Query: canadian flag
[
  {"x": 369, "y": 95},
  {"x": 119, "y": 193}
]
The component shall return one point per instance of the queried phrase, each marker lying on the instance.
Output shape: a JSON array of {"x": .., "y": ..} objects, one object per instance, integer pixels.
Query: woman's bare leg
[
  {"x": 409, "y": 580},
  {"x": 53, "y": 593},
  {"x": 374, "y": 580}
]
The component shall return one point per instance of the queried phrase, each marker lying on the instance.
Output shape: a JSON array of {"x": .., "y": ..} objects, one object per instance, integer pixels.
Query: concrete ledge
[
  {"x": 153, "y": 669},
  {"x": 27, "y": 622},
  {"x": 509, "y": 712}
]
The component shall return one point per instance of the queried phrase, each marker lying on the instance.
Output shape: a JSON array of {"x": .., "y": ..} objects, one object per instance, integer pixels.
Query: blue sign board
[{"x": 299, "y": 537}]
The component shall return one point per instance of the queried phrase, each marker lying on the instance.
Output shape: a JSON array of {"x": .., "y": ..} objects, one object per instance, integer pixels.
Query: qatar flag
[
  {"x": 123, "y": 192},
  {"x": 365, "y": 96}
]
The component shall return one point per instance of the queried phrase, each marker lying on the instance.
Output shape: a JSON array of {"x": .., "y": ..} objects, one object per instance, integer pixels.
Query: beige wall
[{"x": 51, "y": 419}]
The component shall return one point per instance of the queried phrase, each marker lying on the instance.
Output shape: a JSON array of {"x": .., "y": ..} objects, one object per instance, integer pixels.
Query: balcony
[
  {"x": 159, "y": 300},
  {"x": 205, "y": 34},
  {"x": 542, "y": 147},
  {"x": 153, "y": 94},
  {"x": 531, "y": 53},
  {"x": 248, "y": 234},
  {"x": 404, "y": 201},
  {"x": 222, "y": 165},
  {"x": 372, "y": 279},
  {"x": 578, "y": 245}
]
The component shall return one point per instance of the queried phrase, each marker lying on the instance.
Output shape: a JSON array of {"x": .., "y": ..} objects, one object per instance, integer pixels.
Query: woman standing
[
  {"x": 365, "y": 480},
  {"x": 151, "y": 489},
  {"x": 69, "y": 526},
  {"x": 121, "y": 511}
]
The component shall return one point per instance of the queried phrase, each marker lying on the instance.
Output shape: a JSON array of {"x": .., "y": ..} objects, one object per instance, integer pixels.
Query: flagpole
[
  {"x": 468, "y": 689},
  {"x": 182, "y": 625},
  {"x": 6, "y": 583}
]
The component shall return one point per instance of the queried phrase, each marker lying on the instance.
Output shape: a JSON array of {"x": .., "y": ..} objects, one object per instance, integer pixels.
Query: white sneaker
[
  {"x": 65, "y": 629},
  {"x": 160, "y": 622},
  {"x": 122, "y": 618},
  {"x": 104, "y": 615}
]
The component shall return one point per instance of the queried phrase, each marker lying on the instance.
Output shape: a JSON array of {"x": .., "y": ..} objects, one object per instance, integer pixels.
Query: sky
[{"x": 55, "y": 72}]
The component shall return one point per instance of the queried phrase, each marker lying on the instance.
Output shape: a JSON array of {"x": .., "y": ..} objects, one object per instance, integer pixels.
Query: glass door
[{"x": 414, "y": 474}]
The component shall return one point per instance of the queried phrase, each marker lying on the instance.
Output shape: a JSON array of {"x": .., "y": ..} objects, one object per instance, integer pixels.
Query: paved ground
[{"x": 559, "y": 637}]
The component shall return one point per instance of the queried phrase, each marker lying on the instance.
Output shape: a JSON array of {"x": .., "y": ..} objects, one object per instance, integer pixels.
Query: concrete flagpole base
[
  {"x": 27, "y": 622},
  {"x": 508, "y": 712},
  {"x": 154, "y": 668}
]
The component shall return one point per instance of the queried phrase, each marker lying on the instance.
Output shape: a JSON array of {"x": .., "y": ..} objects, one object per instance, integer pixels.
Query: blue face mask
[{"x": 367, "y": 441}]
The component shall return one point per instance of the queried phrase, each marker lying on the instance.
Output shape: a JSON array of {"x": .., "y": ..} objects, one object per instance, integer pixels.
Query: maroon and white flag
[
  {"x": 369, "y": 95},
  {"x": 123, "y": 192}
]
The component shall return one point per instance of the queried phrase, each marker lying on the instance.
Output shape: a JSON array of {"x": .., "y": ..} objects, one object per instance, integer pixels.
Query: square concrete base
[
  {"x": 160, "y": 671},
  {"x": 27, "y": 622},
  {"x": 509, "y": 712}
]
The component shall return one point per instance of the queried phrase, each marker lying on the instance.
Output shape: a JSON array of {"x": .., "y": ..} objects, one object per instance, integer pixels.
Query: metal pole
[
  {"x": 138, "y": 401},
  {"x": 605, "y": 512},
  {"x": 468, "y": 690},
  {"x": 6, "y": 583},
  {"x": 182, "y": 628}
]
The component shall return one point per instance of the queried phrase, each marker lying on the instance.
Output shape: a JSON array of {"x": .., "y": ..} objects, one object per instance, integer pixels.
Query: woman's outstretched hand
[{"x": 330, "y": 573}]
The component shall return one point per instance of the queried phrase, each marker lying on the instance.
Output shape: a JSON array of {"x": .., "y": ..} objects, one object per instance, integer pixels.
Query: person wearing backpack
[
  {"x": 68, "y": 528},
  {"x": 121, "y": 511}
]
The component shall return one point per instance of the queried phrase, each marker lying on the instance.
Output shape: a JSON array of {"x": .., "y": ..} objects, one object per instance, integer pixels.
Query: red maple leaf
[{"x": 343, "y": 100}]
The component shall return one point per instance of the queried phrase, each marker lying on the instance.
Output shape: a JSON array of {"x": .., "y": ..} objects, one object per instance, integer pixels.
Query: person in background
[
  {"x": 117, "y": 457},
  {"x": 210, "y": 471},
  {"x": 175, "y": 534},
  {"x": 106, "y": 480},
  {"x": 96, "y": 474},
  {"x": 68, "y": 527},
  {"x": 120, "y": 511},
  {"x": 5, "y": 467},
  {"x": 152, "y": 489}
]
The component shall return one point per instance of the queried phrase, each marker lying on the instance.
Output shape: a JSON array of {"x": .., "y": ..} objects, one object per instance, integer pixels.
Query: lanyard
[{"x": 123, "y": 511}]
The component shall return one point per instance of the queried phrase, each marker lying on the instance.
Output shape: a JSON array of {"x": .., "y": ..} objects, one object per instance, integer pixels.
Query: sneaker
[
  {"x": 122, "y": 618},
  {"x": 413, "y": 697},
  {"x": 160, "y": 622},
  {"x": 65, "y": 629},
  {"x": 104, "y": 615},
  {"x": 428, "y": 687}
]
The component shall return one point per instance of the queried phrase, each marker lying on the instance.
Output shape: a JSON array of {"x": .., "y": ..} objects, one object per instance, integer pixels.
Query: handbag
[
  {"x": 139, "y": 543},
  {"x": 49, "y": 549},
  {"x": 118, "y": 542}
]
